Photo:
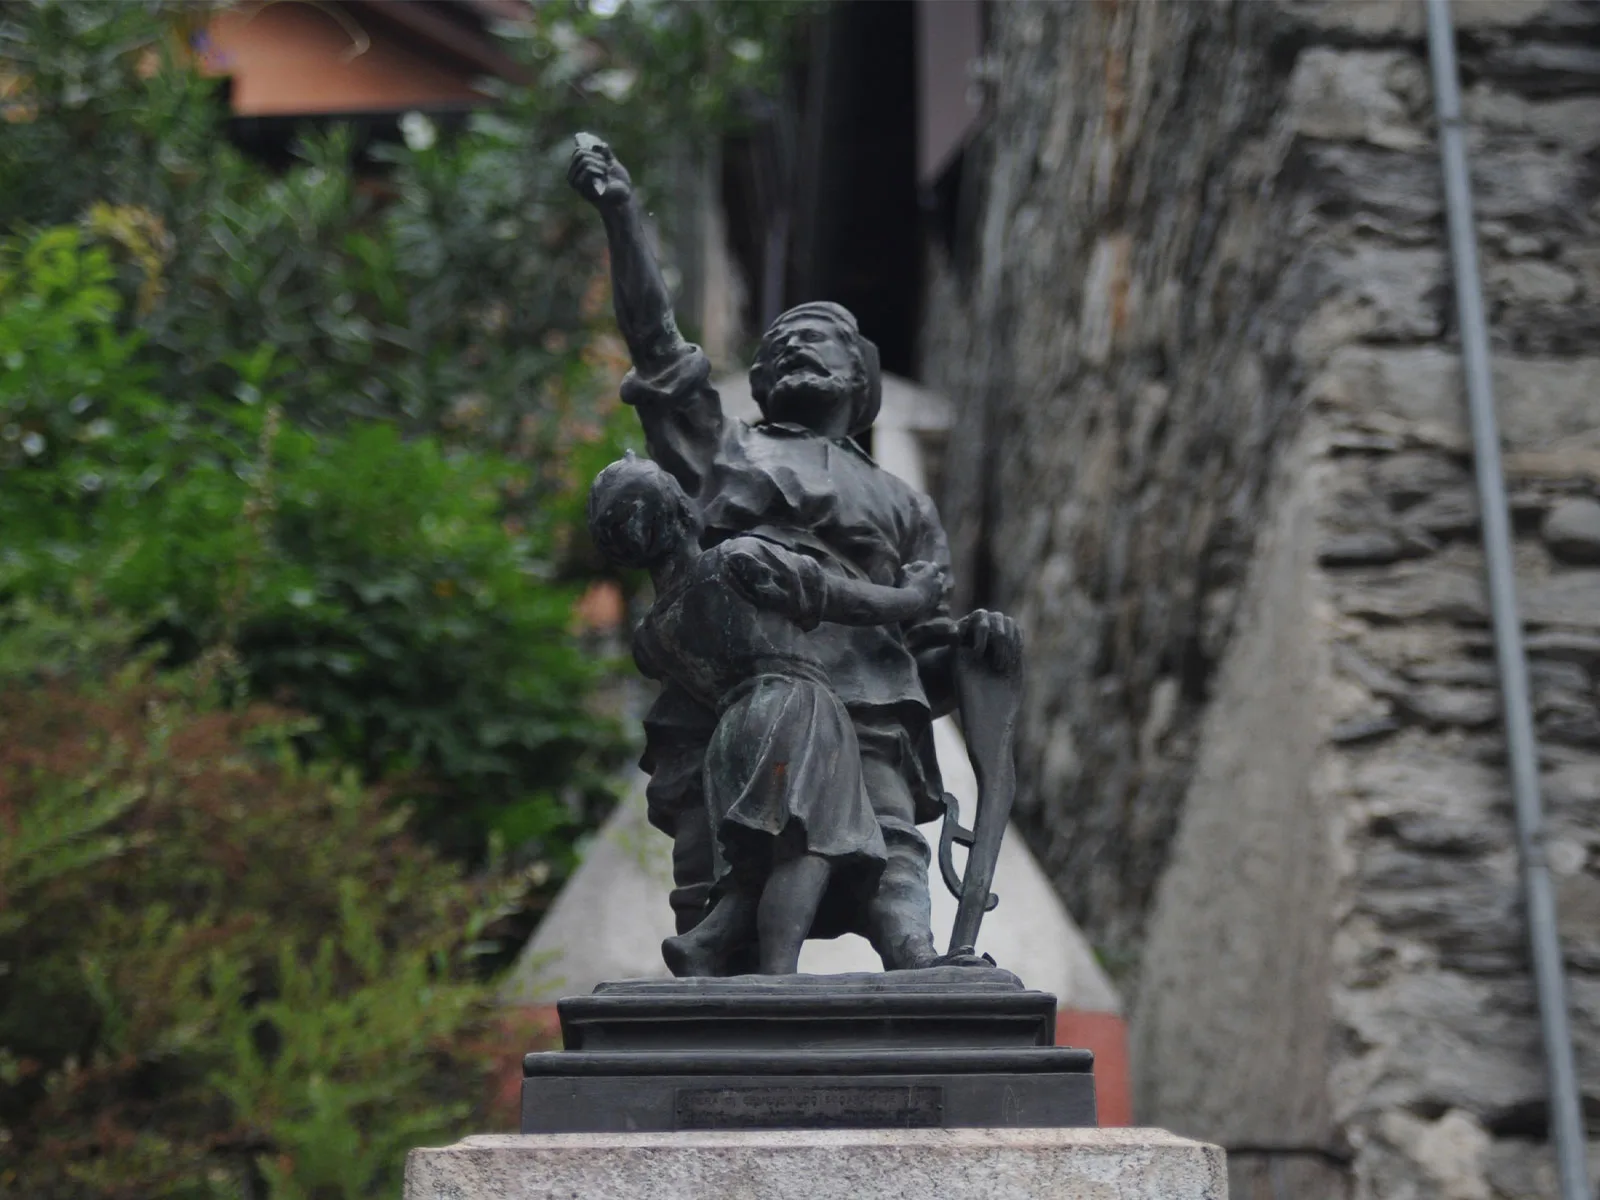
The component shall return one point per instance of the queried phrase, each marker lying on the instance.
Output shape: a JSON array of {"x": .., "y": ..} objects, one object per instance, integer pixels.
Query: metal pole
[{"x": 1566, "y": 1114}]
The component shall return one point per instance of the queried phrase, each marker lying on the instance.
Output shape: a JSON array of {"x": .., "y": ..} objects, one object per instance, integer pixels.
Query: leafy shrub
[
  {"x": 403, "y": 613},
  {"x": 368, "y": 579},
  {"x": 313, "y": 448},
  {"x": 226, "y": 974},
  {"x": 203, "y": 452},
  {"x": 96, "y": 108},
  {"x": 461, "y": 292}
]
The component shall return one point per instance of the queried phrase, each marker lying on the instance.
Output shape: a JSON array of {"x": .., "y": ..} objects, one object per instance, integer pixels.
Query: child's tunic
[{"x": 783, "y": 761}]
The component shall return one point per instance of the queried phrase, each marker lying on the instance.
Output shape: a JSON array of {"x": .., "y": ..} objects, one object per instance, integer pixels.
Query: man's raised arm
[
  {"x": 670, "y": 383},
  {"x": 644, "y": 310}
]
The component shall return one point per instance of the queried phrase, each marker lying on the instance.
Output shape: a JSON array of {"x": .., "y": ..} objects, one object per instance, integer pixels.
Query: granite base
[{"x": 823, "y": 1164}]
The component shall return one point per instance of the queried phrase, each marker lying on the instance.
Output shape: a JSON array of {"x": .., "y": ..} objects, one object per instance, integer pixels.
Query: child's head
[{"x": 638, "y": 515}]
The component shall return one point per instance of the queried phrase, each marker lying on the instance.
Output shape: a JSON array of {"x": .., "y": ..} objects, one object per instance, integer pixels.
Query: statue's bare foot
[{"x": 690, "y": 957}]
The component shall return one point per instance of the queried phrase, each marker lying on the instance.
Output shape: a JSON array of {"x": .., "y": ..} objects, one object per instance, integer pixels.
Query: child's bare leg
[
  {"x": 788, "y": 906},
  {"x": 704, "y": 950}
]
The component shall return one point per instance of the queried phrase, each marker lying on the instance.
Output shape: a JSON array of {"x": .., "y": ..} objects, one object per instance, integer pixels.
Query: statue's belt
[{"x": 775, "y": 669}]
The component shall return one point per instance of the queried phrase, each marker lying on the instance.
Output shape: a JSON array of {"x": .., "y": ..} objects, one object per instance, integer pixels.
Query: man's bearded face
[{"x": 815, "y": 372}]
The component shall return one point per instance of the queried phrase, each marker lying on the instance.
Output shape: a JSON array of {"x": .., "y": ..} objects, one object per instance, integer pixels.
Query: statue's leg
[
  {"x": 676, "y": 730},
  {"x": 705, "y": 949},
  {"x": 691, "y": 866},
  {"x": 788, "y": 906},
  {"x": 899, "y": 916}
]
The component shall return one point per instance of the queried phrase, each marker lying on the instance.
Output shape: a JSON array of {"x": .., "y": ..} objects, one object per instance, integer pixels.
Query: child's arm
[
  {"x": 774, "y": 578},
  {"x": 857, "y": 602}
]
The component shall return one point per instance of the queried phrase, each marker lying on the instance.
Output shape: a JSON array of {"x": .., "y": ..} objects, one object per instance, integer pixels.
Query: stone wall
[
  {"x": 1117, "y": 330},
  {"x": 1217, "y": 460}
]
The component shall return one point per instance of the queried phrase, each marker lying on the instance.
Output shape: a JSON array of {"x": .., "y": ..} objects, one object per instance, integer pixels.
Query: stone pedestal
[
  {"x": 823, "y": 1164},
  {"x": 939, "y": 1048}
]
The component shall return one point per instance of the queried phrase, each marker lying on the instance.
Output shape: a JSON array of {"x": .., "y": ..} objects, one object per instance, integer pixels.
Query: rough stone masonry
[{"x": 1197, "y": 316}]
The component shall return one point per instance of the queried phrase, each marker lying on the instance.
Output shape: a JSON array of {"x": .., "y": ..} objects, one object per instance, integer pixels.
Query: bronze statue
[{"x": 801, "y": 625}]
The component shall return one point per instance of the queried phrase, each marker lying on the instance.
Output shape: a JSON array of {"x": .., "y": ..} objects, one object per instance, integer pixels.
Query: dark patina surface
[
  {"x": 802, "y": 637},
  {"x": 860, "y": 674},
  {"x": 939, "y": 1048}
]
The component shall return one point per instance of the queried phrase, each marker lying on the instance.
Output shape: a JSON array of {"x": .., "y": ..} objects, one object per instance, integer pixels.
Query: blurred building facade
[
  {"x": 364, "y": 63},
  {"x": 357, "y": 57}
]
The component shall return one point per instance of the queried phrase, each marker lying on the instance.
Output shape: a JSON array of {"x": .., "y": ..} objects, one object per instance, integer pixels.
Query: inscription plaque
[{"x": 916, "y": 1106}]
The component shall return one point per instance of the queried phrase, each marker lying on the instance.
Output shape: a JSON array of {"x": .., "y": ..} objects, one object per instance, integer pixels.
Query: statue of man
[{"x": 798, "y": 479}]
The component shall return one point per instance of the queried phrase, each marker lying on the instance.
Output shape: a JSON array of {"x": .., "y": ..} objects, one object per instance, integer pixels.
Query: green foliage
[
  {"x": 189, "y": 424},
  {"x": 369, "y": 579},
  {"x": 96, "y": 108},
  {"x": 291, "y": 481},
  {"x": 226, "y": 974},
  {"x": 419, "y": 627},
  {"x": 461, "y": 295}
]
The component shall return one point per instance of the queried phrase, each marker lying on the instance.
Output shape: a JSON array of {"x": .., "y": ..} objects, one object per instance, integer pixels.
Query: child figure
[{"x": 795, "y": 831}]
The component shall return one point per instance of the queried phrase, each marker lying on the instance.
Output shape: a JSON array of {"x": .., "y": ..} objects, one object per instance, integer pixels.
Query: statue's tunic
[
  {"x": 784, "y": 757},
  {"x": 821, "y": 497}
]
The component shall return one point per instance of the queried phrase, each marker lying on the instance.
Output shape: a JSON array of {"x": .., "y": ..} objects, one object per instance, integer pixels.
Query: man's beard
[{"x": 809, "y": 398}]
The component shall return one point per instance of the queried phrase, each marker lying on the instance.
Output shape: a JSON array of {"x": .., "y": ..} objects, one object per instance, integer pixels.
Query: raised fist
[{"x": 596, "y": 174}]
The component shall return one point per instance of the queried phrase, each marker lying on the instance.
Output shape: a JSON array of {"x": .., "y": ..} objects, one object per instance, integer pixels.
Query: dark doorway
[{"x": 857, "y": 237}]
